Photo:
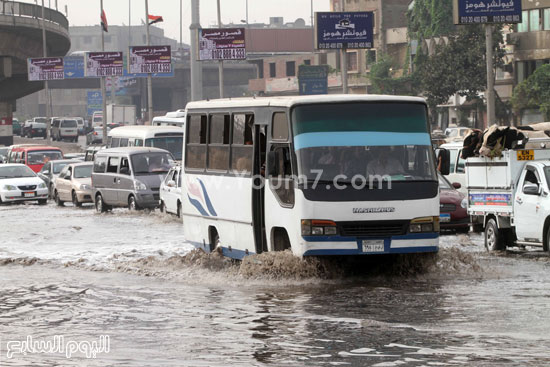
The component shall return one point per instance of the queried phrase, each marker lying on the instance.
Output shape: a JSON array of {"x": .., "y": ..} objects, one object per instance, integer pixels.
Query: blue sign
[
  {"x": 344, "y": 30},
  {"x": 488, "y": 11},
  {"x": 74, "y": 67},
  {"x": 313, "y": 79},
  {"x": 95, "y": 102}
]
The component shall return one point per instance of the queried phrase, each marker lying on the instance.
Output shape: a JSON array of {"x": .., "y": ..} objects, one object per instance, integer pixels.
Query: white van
[
  {"x": 64, "y": 129},
  {"x": 457, "y": 171},
  {"x": 169, "y": 138},
  {"x": 97, "y": 119}
]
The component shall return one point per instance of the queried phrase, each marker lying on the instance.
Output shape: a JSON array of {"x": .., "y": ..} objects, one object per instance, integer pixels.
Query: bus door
[{"x": 258, "y": 190}]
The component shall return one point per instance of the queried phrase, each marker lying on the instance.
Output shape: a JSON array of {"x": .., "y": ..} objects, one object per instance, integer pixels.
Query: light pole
[
  {"x": 149, "y": 79},
  {"x": 196, "y": 66},
  {"x": 103, "y": 91},
  {"x": 220, "y": 66},
  {"x": 46, "y": 87}
]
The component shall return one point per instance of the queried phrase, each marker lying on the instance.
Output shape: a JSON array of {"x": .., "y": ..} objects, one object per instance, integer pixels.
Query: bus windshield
[
  {"x": 338, "y": 142},
  {"x": 173, "y": 144}
]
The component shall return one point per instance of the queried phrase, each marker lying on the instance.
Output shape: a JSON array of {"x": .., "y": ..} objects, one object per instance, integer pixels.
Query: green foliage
[
  {"x": 382, "y": 80},
  {"x": 534, "y": 92},
  {"x": 431, "y": 18}
]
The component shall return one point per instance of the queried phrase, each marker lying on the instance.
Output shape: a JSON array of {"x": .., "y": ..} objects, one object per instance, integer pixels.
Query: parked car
[
  {"x": 34, "y": 156},
  {"x": 74, "y": 184},
  {"x": 19, "y": 183},
  {"x": 95, "y": 136},
  {"x": 170, "y": 192},
  {"x": 453, "y": 207},
  {"x": 64, "y": 129},
  {"x": 129, "y": 176},
  {"x": 16, "y": 127},
  {"x": 51, "y": 170}
]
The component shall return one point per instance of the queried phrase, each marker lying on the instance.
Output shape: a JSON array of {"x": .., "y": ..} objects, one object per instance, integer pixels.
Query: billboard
[
  {"x": 313, "y": 79},
  {"x": 486, "y": 11},
  {"x": 100, "y": 64},
  {"x": 45, "y": 68},
  {"x": 150, "y": 59},
  {"x": 73, "y": 67},
  {"x": 222, "y": 44},
  {"x": 343, "y": 30},
  {"x": 95, "y": 102}
]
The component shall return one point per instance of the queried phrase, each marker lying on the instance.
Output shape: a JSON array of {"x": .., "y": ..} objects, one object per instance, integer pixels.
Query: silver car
[
  {"x": 74, "y": 184},
  {"x": 51, "y": 170},
  {"x": 129, "y": 177}
]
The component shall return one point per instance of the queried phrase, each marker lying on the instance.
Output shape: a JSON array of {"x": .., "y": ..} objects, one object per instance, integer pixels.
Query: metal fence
[{"x": 19, "y": 9}]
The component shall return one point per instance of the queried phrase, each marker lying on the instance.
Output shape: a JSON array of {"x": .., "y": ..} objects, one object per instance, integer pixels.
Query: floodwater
[{"x": 129, "y": 283}]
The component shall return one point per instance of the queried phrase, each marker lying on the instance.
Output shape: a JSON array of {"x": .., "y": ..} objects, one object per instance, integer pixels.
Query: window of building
[
  {"x": 307, "y": 62},
  {"x": 260, "y": 70},
  {"x": 352, "y": 61},
  {"x": 370, "y": 57},
  {"x": 272, "y": 70},
  {"x": 534, "y": 20},
  {"x": 524, "y": 25},
  {"x": 291, "y": 68},
  {"x": 195, "y": 155},
  {"x": 218, "y": 142},
  {"x": 546, "y": 16}
]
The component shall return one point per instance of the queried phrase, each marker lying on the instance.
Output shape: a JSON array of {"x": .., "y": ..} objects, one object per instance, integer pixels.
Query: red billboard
[
  {"x": 222, "y": 44},
  {"x": 150, "y": 59},
  {"x": 100, "y": 64},
  {"x": 45, "y": 68}
]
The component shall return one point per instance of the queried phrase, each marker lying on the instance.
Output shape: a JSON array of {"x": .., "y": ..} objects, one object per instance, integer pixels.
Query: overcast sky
[{"x": 86, "y": 12}]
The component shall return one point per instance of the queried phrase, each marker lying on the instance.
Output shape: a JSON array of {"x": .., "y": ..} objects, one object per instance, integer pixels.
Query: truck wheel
[{"x": 493, "y": 237}]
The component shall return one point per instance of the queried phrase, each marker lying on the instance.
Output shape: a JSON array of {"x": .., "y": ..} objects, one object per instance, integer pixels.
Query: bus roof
[
  {"x": 289, "y": 101},
  {"x": 130, "y": 150},
  {"x": 143, "y": 131}
]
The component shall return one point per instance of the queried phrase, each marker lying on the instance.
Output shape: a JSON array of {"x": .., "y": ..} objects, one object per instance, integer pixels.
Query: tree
[
  {"x": 382, "y": 79},
  {"x": 534, "y": 92}
]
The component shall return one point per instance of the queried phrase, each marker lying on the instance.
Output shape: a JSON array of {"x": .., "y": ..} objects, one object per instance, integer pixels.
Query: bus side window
[
  {"x": 279, "y": 128},
  {"x": 139, "y": 143},
  {"x": 282, "y": 184},
  {"x": 123, "y": 142},
  {"x": 218, "y": 142},
  {"x": 195, "y": 154},
  {"x": 242, "y": 144},
  {"x": 115, "y": 142}
]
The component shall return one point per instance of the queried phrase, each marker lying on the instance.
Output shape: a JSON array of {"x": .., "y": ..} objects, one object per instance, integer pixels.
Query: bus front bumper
[{"x": 336, "y": 245}]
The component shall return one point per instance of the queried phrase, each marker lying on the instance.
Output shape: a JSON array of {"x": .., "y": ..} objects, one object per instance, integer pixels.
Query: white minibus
[
  {"x": 164, "y": 137},
  {"x": 344, "y": 175},
  {"x": 175, "y": 118}
]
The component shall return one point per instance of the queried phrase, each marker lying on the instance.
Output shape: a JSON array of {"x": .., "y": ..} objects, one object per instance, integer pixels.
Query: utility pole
[
  {"x": 196, "y": 66},
  {"x": 344, "y": 62},
  {"x": 103, "y": 91},
  {"x": 220, "y": 66},
  {"x": 490, "y": 94},
  {"x": 46, "y": 87},
  {"x": 181, "y": 30},
  {"x": 149, "y": 78},
  {"x": 129, "y": 24}
]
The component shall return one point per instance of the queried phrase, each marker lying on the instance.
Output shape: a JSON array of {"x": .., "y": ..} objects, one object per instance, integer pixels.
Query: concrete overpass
[{"x": 21, "y": 38}]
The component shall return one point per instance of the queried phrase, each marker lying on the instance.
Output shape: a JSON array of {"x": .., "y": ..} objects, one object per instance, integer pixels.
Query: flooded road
[{"x": 130, "y": 279}]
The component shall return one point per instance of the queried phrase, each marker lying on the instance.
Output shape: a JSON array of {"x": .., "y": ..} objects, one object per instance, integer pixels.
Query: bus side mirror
[
  {"x": 272, "y": 163},
  {"x": 443, "y": 161}
]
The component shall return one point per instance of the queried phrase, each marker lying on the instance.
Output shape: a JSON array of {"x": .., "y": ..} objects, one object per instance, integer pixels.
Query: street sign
[
  {"x": 100, "y": 64},
  {"x": 45, "y": 68},
  {"x": 95, "y": 102},
  {"x": 150, "y": 59},
  {"x": 222, "y": 44},
  {"x": 313, "y": 79},
  {"x": 486, "y": 11},
  {"x": 74, "y": 67},
  {"x": 335, "y": 30}
]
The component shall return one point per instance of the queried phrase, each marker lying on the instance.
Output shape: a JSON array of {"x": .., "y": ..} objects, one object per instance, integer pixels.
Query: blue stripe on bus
[
  {"x": 403, "y": 250},
  {"x": 359, "y": 138},
  {"x": 408, "y": 236}
]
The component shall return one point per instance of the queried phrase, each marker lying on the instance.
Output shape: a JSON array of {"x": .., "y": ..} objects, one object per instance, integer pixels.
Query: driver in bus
[{"x": 383, "y": 163}]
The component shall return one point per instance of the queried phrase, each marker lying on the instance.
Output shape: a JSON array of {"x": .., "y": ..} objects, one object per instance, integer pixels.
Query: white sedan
[
  {"x": 170, "y": 192},
  {"x": 19, "y": 183}
]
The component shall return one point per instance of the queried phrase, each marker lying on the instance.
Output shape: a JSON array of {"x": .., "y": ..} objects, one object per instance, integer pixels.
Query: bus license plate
[
  {"x": 444, "y": 218},
  {"x": 29, "y": 194},
  {"x": 373, "y": 245}
]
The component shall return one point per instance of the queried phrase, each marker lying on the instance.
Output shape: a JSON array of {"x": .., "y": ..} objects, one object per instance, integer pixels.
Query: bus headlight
[
  {"x": 424, "y": 224},
  {"x": 315, "y": 227}
]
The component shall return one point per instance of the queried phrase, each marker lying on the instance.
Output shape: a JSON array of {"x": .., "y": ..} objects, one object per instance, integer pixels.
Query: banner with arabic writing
[
  {"x": 344, "y": 30},
  {"x": 487, "y": 11},
  {"x": 45, "y": 68},
  {"x": 222, "y": 44},
  {"x": 150, "y": 59}
]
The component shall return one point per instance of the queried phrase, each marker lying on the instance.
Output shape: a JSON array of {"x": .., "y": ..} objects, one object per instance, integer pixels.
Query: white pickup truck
[{"x": 511, "y": 196}]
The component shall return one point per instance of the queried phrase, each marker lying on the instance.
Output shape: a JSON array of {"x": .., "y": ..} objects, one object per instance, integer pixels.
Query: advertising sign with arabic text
[
  {"x": 150, "y": 59},
  {"x": 45, "y": 68},
  {"x": 335, "y": 30},
  {"x": 104, "y": 64},
  {"x": 487, "y": 11},
  {"x": 222, "y": 44}
]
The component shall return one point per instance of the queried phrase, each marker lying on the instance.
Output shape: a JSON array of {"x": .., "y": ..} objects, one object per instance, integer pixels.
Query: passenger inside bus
[{"x": 384, "y": 162}]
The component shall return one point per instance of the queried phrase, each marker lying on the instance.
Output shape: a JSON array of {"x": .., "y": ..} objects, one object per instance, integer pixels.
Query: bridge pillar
[{"x": 6, "y": 129}]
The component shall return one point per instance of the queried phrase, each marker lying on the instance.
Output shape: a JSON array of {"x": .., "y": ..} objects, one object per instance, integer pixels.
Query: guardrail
[{"x": 18, "y": 9}]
